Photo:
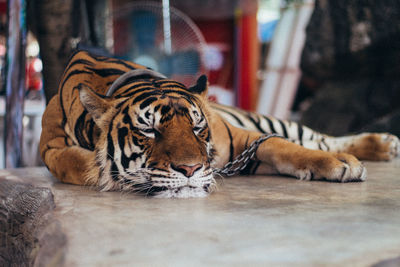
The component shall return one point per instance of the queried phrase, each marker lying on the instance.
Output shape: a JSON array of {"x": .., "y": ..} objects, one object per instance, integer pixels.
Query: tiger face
[{"x": 154, "y": 139}]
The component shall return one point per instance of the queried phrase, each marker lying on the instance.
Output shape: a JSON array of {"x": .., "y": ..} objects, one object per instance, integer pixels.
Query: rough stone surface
[
  {"x": 352, "y": 51},
  {"x": 250, "y": 221},
  {"x": 28, "y": 234}
]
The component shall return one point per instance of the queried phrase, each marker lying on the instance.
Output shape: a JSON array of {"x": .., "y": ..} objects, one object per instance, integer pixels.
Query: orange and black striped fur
[{"x": 156, "y": 136}]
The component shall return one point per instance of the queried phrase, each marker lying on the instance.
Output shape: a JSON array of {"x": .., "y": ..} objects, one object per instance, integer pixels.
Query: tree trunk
[
  {"x": 52, "y": 25},
  {"x": 59, "y": 25}
]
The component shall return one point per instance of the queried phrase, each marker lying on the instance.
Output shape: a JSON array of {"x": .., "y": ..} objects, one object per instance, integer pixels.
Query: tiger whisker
[
  {"x": 148, "y": 191},
  {"x": 138, "y": 188},
  {"x": 221, "y": 177},
  {"x": 111, "y": 157}
]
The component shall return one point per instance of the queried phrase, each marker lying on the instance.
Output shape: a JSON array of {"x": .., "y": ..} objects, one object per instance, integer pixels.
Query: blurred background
[{"x": 332, "y": 65}]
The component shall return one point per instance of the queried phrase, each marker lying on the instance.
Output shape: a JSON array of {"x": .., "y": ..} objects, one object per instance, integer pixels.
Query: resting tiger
[{"x": 119, "y": 126}]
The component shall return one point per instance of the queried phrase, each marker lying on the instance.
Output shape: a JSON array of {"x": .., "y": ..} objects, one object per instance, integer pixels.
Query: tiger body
[{"x": 155, "y": 136}]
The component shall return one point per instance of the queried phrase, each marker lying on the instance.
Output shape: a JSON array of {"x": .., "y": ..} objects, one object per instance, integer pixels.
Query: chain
[{"x": 241, "y": 161}]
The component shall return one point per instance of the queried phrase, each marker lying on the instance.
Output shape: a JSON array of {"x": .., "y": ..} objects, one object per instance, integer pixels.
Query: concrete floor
[{"x": 257, "y": 221}]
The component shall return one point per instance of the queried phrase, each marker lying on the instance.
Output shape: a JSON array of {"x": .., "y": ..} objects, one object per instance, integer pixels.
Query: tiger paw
[
  {"x": 339, "y": 167},
  {"x": 374, "y": 146}
]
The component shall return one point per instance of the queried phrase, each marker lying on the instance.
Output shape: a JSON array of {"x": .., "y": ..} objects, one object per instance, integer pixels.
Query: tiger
[{"x": 119, "y": 126}]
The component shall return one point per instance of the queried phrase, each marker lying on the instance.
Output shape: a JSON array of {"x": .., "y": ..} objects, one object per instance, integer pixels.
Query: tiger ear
[
  {"x": 96, "y": 105},
  {"x": 201, "y": 86}
]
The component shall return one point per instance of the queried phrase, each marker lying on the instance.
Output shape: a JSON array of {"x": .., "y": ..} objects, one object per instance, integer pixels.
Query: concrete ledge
[{"x": 260, "y": 220}]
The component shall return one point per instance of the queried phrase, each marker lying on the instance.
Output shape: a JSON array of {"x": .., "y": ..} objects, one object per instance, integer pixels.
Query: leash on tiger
[{"x": 242, "y": 160}]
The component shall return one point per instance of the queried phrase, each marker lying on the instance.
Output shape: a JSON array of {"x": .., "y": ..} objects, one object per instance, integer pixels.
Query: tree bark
[
  {"x": 52, "y": 25},
  {"x": 352, "y": 50},
  {"x": 59, "y": 25}
]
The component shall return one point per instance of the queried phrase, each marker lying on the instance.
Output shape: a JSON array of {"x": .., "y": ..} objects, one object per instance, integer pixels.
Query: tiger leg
[
  {"x": 307, "y": 164},
  {"x": 365, "y": 146},
  {"x": 288, "y": 158},
  {"x": 69, "y": 163}
]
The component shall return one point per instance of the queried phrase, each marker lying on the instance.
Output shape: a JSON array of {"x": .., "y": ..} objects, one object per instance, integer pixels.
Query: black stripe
[
  {"x": 231, "y": 148},
  {"x": 79, "y": 129},
  {"x": 300, "y": 133},
  {"x": 147, "y": 102},
  {"x": 231, "y": 114},
  {"x": 173, "y": 84},
  {"x": 122, "y": 134},
  {"x": 257, "y": 124},
  {"x": 323, "y": 142},
  {"x": 72, "y": 56},
  {"x": 128, "y": 93},
  {"x": 72, "y": 103},
  {"x": 119, "y": 105},
  {"x": 285, "y": 134},
  {"x": 137, "y": 142},
  {"x": 79, "y": 61},
  {"x": 189, "y": 98},
  {"x": 144, "y": 96},
  {"x": 66, "y": 140},
  {"x": 114, "y": 172},
  {"x": 142, "y": 121},
  {"x": 258, "y": 162},
  {"x": 72, "y": 73},
  {"x": 134, "y": 82},
  {"x": 166, "y": 118},
  {"x": 90, "y": 133},
  {"x": 183, "y": 93},
  {"x": 270, "y": 123},
  {"x": 207, "y": 138},
  {"x": 247, "y": 142},
  {"x": 110, "y": 143},
  {"x": 127, "y": 120},
  {"x": 184, "y": 111},
  {"x": 105, "y": 72},
  {"x": 165, "y": 110},
  {"x": 121, "y": 62},
  {"x": 157, "y": 108},
  {"x": 147, "y": 114}
]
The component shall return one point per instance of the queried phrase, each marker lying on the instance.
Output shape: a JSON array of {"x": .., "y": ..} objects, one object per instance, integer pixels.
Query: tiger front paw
[
  {"x": 375, "y": 147},
  {"x": 339, "y": 167}
]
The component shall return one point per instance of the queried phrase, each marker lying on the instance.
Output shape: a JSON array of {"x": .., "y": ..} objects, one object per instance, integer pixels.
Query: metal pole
[
  {"x": 167, "y": 27},
  {"x": 15, "y": 82}
]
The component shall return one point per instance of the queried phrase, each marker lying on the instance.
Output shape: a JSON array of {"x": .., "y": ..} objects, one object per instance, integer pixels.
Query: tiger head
[{"x": 154, "y": 137}]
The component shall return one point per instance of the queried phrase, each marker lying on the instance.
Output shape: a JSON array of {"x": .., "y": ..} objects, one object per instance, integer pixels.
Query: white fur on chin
[{"x": 184, "y": 192}]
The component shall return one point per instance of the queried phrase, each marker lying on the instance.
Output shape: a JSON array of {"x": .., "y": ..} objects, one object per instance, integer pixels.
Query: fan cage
[{"x": 138, "y": 36}]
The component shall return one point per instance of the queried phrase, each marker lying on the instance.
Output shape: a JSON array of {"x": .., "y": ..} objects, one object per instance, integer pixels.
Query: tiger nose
[{"x": 187, "y": 170}]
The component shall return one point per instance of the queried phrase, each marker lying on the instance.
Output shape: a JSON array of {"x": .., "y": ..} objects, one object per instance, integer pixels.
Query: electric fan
[{"x": 159, "y": 37}]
